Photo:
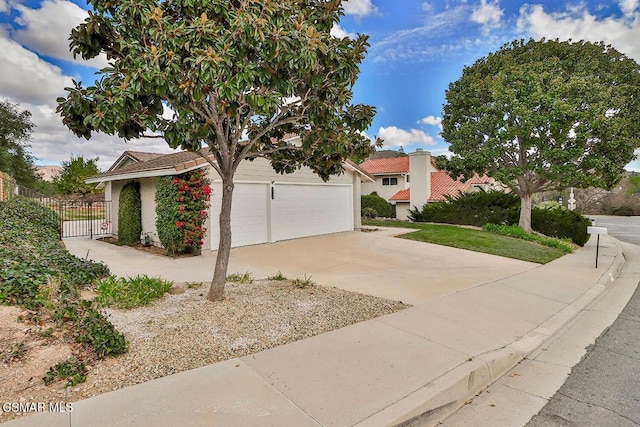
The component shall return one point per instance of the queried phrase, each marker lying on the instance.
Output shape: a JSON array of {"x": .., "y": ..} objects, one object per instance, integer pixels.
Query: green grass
[
  {"x": 475, "y": 240},
  {"x": 279, "y": 276},
  {"x": 130, "y": 292},
  {"x": 243, "y": 278},
  {"x": 302, "y": 283}
]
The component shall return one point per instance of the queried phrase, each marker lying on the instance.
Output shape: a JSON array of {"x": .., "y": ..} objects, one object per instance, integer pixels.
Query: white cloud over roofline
[{"x": 396, "y": 137}]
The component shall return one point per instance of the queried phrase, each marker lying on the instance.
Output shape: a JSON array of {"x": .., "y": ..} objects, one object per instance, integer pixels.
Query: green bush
[
  {"x": 477, "y": 208},
  {"x": 130, "y": 214},
  {"x": 31, "y": 256},
  {"x": 90, "y": 327},
  {"x": 181, "y": 211},
  {"x": 130, "y": 292},
  {"x": 382, "y": 208},
  {"x": 495, "y": 207},
  {"x": 561, "y": 223},
  {"x": 369, "y": 213},
  {"x": 515, "y": 231},
  {"x": 73, "y": 370}
]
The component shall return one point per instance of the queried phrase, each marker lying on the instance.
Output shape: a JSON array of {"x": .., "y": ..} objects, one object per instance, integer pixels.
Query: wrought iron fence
[{"x": 78, "y": 216}]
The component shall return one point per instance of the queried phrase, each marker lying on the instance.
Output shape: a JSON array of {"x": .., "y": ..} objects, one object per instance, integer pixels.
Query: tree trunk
[
  {"x": 525, "y": 212},
  {"x": 216, "y": 292}
]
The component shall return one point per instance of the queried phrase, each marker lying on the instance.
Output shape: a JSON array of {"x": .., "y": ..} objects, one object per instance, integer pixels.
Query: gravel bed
[{"x": 184, "y": 331}]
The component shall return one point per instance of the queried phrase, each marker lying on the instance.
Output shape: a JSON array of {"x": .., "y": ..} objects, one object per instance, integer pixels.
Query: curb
[{"x": 439, "y": 399}]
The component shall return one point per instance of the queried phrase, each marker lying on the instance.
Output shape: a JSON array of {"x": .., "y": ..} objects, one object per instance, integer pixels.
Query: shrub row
[{"x": 495, "y": 207}]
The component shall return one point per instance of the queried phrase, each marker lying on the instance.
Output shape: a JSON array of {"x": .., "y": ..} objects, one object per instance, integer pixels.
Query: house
[
  {"x": 413, "y": 180},
  {"x": 267, "y": 206}
]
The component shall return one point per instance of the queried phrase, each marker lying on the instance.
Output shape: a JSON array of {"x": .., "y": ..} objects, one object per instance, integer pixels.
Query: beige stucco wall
[
  {"x": 385, "y": 191},
  {"x": 148, "y": 211},
  {"x": 261, "y": 170},
  {"x": 402, "y": 211}
]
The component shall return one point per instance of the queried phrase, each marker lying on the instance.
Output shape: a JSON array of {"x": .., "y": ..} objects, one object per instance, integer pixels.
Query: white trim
[
  {"x": 324, "y": 184},
  {"x": 359, "y": 172}
]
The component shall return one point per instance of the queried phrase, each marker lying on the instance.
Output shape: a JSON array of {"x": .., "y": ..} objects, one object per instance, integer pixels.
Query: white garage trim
[{"x": 264, "y": 212}]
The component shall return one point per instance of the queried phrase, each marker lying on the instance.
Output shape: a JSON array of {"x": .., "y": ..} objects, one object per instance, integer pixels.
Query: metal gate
[
  {"x": 87, "y": 215},
  {"x": 83, "y": 218}
]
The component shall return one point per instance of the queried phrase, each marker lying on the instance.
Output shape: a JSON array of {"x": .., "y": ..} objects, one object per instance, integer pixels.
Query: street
[{"x": 604, "y": 388}]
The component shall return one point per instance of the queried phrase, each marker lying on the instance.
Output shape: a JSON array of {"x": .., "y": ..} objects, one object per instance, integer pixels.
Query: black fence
[
  {"x": 78, "y": 216},
  {"x": 83, "y": 218}
]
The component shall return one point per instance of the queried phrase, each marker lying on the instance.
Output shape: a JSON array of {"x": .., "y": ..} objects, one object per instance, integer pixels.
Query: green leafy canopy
[
  {"x": 235, "y": 75},
  {"x": 543, "y": 114}
]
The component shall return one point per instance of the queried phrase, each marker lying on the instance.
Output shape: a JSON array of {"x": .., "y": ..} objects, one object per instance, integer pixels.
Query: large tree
[
  {"x": 541, "y": 115},
  {"x": 15, "y": 132},
  {"x": 237, "y": 76},
  {"x": 71, "y": 179}
]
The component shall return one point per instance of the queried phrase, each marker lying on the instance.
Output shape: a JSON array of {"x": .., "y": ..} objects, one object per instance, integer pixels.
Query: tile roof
[
  {"x": 142, "y": 156},
  {"x": 443, "y": 185},
  {"x": 382, "y": 166},
  {"x": 401, "y": 196},
  {"x": 179, "y": 161},
  {"x": 162, "y": 161}
]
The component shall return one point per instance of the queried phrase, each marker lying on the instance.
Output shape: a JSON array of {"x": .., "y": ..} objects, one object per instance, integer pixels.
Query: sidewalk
[{"x": 414, "y": 367}]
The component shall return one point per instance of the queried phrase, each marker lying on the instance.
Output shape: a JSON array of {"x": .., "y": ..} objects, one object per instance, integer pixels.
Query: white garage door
[
  {"x": 300, "y": 210},
  {"x": 249, "y": 214}
]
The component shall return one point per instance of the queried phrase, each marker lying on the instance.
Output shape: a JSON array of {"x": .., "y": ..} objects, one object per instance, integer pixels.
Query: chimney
[{"x": 420, "y": 175}]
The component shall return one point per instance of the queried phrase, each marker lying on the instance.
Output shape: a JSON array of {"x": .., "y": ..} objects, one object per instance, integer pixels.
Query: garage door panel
[
  {"x": 300, "y": 210},
  {"x": 249, "y": 214}
]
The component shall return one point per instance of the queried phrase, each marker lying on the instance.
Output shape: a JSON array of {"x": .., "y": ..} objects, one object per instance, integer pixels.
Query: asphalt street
[{"x": 604, "y": 388}]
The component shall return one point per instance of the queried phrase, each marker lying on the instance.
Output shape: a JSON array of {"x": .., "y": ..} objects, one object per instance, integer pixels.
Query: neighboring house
[
  {"x": 413, "y": 180},
  {"x": 267, "y": 206}
]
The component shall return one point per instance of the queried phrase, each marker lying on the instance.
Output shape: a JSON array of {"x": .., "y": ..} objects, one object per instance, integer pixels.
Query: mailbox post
[{"x": 598, "y": 231}]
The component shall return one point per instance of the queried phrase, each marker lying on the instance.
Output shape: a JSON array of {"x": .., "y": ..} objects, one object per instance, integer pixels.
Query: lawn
[{"x": 475, "y": 240}]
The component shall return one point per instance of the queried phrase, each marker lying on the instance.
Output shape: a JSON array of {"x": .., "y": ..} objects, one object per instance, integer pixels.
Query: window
[
  {"x": 407, "y": 178},
  {"x": 389, "y": 181}
]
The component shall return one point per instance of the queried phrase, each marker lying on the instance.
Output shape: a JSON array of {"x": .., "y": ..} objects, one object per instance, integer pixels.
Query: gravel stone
[{"x": 185, "y": 331}]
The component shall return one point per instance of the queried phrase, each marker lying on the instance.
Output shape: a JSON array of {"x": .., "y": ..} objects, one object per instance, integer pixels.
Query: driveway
[{"x": 374, "y": 263}]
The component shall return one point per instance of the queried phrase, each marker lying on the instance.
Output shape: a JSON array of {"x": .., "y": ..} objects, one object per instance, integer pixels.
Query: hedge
[{"x": 130, "y": 214}]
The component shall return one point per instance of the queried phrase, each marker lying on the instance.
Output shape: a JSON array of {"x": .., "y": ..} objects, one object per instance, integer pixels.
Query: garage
[
  {"x": 264, "y": 212},
  {"x": 267, "y": 206}
]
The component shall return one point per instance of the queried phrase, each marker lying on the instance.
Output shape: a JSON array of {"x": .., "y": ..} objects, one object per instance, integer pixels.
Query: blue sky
[{"x": 417, "y": 49}]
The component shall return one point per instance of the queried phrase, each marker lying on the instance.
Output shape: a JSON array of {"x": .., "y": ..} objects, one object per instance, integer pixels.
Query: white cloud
[
  {"x": 26, "y": 78},
  {"x": 488, "y": 15},
  {"x": 4, "y": 7},
  {"x": 395, "y": 137},
  {"x": 578, "y": 24},
  {"x": 338, "y": 31},
  {"x": 438, "y": 36},
  {"x": 359, "y": 8},
  {"x": 431, "y": 121},
  {"x": 628, "y": 7},
  {"x": 46, "y": 30},
  {"x": 427, "y": 7}
]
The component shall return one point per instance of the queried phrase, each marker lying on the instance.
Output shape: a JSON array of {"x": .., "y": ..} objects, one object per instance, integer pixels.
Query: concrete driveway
[{"x": 374, "y": 263}]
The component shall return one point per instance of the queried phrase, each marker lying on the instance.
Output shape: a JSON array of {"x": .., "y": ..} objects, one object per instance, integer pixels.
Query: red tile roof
[
  {"x": 401, "y": 196},
  {"x": 443, "y": 185},
  {"x": 382, "y": 166}
]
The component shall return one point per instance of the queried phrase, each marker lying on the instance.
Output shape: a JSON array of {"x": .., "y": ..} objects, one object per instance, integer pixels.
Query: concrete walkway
[{"x": 416, "y": 366}]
